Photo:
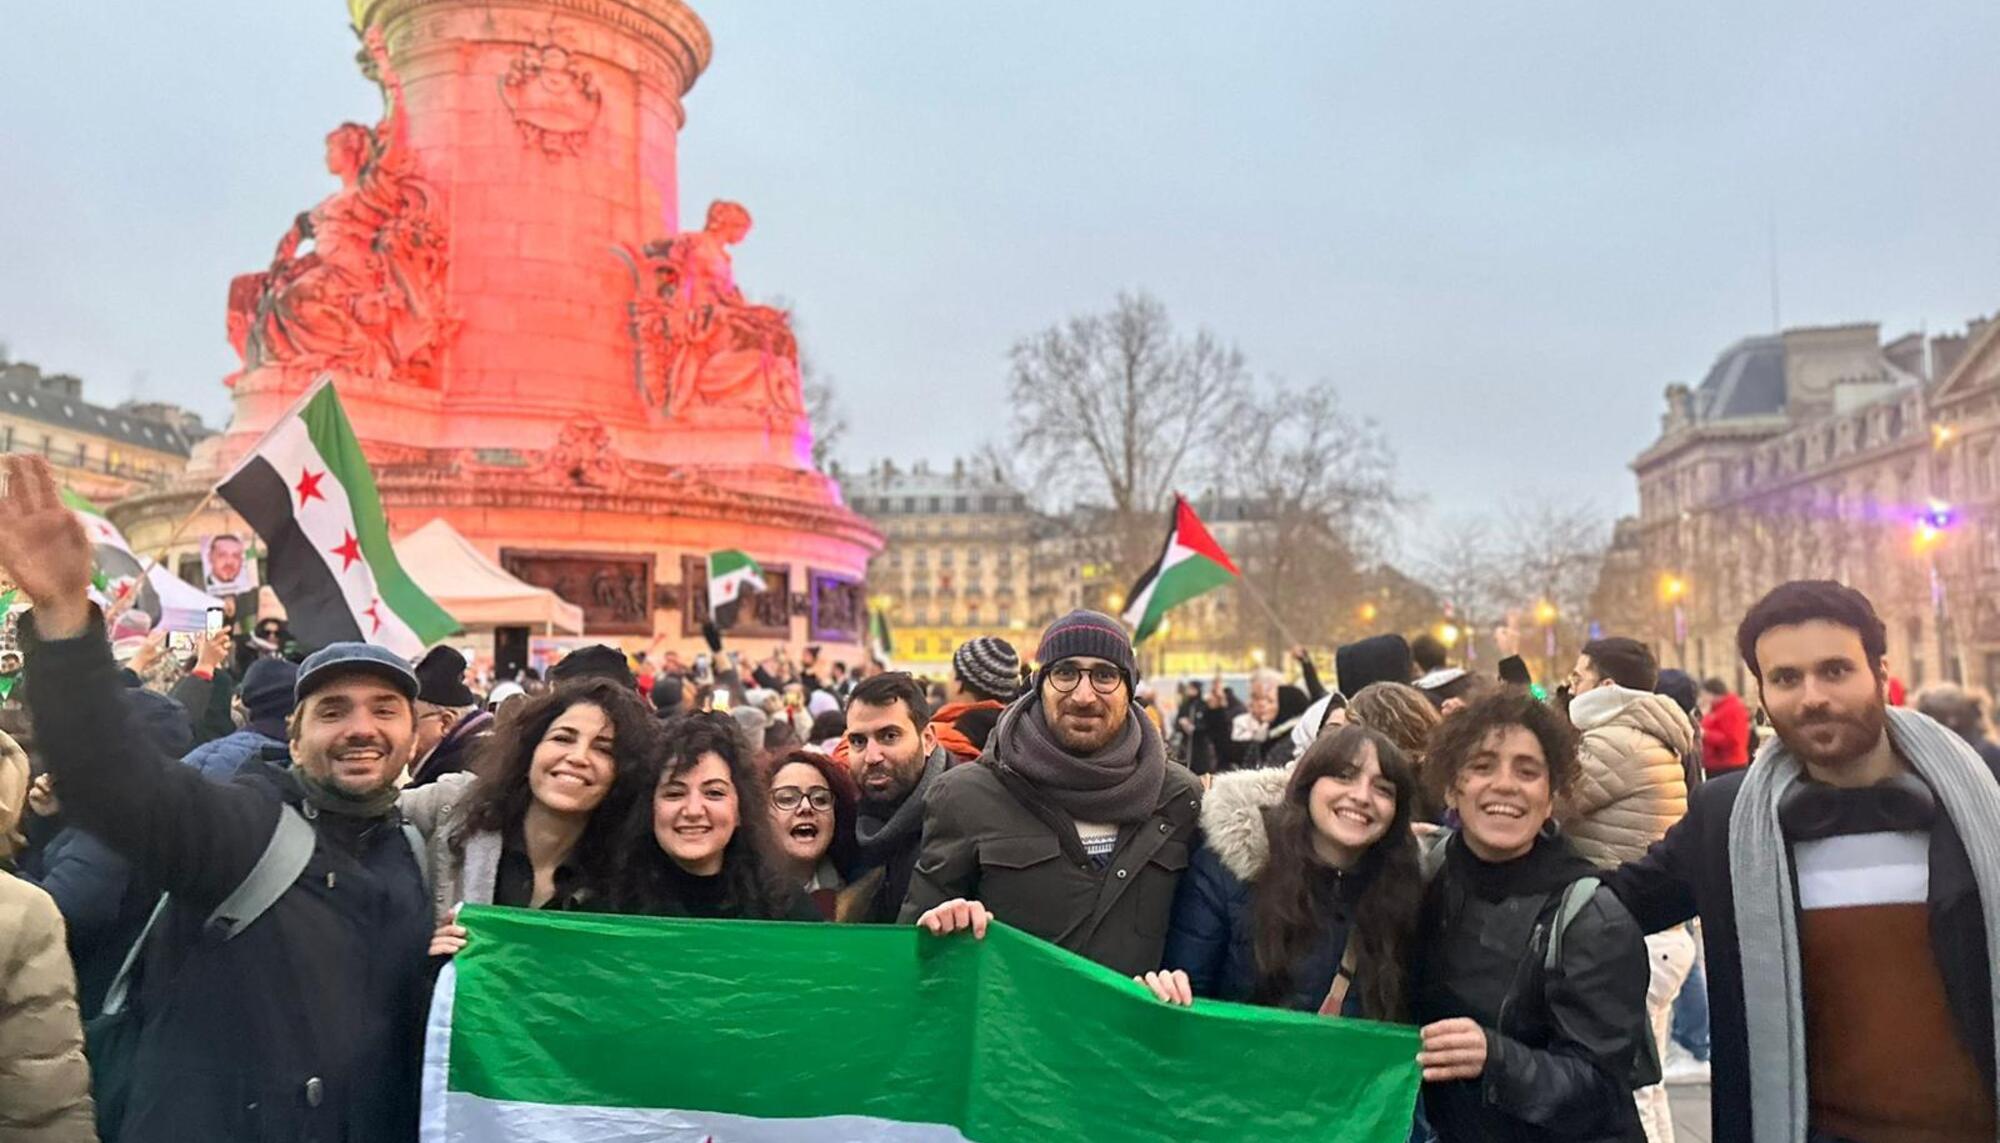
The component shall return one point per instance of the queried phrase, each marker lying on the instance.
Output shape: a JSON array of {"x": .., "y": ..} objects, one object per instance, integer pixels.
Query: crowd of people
[{"x": 228, "y": 928}]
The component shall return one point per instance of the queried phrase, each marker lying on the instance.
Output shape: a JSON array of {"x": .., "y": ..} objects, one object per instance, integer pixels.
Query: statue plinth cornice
[{"x": 670, "y": 27}]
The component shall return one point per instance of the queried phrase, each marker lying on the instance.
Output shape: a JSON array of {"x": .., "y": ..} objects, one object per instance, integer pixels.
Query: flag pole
[
  {"x": 130, "y": 590},
  {"x": 1258, "y": 598}
]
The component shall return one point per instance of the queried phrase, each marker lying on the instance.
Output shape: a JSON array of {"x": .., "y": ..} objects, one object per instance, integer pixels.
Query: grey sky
[{"x": 1501, "y": 228}]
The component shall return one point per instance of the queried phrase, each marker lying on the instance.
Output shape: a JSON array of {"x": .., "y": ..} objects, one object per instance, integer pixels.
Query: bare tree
[
  {"x": 1322, "y": 486},
  {"x": 1461, "y": 565},
  {"x": 823, "y": 409},
  {"x": 1114, "y": 409},
  {"x": 1551, "y": 554}
]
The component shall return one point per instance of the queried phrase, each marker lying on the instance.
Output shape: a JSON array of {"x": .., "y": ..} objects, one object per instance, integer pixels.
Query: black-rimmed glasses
[
  {"x": 787, "y": 798},
  {"x": 1104, "y": 678}
]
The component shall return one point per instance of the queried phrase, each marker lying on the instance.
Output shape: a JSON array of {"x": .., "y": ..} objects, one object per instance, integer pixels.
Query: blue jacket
[
  {"x": 101, "y": 906},
  {"x": 1213, "y": 931},
  {"x": 309, "y": 1024},
  {"x": 222, "y": 758}
]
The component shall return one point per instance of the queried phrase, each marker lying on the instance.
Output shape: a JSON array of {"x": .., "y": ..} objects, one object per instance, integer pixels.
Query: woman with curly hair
[
  {"x": 703, "y": 844},
  {"x": 1529, "y": 980},
  {"x": 536, "y": 826},
  {"x": 814, "y": 803},
  {"x": 1310, "y": 903}
]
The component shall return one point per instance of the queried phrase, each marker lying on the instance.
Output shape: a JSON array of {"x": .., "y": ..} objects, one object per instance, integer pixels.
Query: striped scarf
[{"x": 1767, "y": 923}]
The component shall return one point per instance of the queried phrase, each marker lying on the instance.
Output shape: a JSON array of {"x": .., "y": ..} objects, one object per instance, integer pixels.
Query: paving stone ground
[{"x": 1690, "y": 1102}]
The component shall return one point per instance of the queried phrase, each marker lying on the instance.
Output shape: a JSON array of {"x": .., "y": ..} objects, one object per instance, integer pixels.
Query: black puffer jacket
[{"x": 1562, "y": 1046}]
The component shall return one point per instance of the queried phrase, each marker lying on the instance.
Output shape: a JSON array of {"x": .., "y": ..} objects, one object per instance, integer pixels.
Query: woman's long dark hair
[
  {"x": 844, "y": 850},
  {"x": 499, "y": 799},
  {"x": 753, "y": 885},
  {"x": 1293, "y": 907}
]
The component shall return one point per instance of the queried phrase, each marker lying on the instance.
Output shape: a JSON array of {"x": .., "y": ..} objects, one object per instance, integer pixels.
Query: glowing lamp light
[
  {"x": 1257, "y": 655},
  {"x": 1447, "y": 634},
  {"x": 1545, "y": 613},
  {"x": 1672, "y": 588},
  {"x": 1941, "y": 435},
  {"x": 1117, "y": 602},
  {"x": 1368, "y": 612},
  {"x": 1933, "y": 524}
]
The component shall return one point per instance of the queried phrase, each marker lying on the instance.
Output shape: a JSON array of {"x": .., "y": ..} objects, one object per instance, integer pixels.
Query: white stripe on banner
[
  {"x": 431, "y": 1125},
  {"x": 326, "y": 524},
  {"x": 1863, "y": 869},
  {"x": 474, "y": 1119}
]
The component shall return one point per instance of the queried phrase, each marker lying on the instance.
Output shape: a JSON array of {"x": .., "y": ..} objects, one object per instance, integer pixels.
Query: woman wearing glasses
[{"x": 813, "y": 808}]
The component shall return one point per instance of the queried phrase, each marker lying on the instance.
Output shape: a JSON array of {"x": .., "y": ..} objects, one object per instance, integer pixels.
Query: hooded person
[
  {"x": 1261, "y": 735},
  {"x": 451, "y": 721},
  {"x": 267, "y": 700},
  {"x": 985, "y": 676},
  {"x": 1630, "y": 789},
  {"x": 1357, "y": 666},
  {"x": 1073, "y": 826}
]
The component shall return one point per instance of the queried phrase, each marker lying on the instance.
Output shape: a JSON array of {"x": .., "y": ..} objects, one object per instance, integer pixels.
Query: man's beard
[
  {"x": 889, "y": 800},
  {"x": 1858, "y": 734}
]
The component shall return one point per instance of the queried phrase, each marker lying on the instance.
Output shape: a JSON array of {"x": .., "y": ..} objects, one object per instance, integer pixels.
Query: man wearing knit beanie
[
  {"x": 985, "y": 677},
  {"x": 1073, "y": 826}
]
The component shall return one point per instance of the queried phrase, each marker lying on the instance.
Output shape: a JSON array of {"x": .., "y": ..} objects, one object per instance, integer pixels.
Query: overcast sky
[{"x": 1502, "y": 229}]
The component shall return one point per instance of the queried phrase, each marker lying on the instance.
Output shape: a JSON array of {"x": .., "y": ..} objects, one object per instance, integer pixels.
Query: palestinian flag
[
  {"x": 688, "y": 1031},
  {"x": 1190, "y": 563},
  {"x": 730, "y": 574},
  {"x": 307, "y": 492}
]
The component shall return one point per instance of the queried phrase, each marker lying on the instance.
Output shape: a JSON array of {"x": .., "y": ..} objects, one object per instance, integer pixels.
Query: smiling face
[
  {"x": 355, "y": 734},
  {"x": 573, "y": 765},
  {"x": 695, "y": 813},
  {"x": 1086, "y": 719},
  {"x": 1503, "y": 794},
  {"x": 804, "y": 831},
  {"x": 1827, "y": 703},
  {"x": 1352, "y": 811}
]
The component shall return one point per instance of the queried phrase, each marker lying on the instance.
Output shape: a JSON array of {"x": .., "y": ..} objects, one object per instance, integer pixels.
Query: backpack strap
[
  {"x": 285, "y": 857},
  {"x": 121, "y": 984},
  {"x": 1575, "y": 896}
]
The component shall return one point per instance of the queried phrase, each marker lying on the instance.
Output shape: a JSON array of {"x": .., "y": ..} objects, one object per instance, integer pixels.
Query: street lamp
[
  {"x": 1368, "y": 612},
  {"x": 1673, "y": 590},
  {"x": 1448, "y": 634},
  {"x": 1545, "y": 615},
  {"x": 1932, "y": 525}
]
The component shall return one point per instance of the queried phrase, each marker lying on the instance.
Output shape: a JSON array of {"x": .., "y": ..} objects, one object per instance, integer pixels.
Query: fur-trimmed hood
[{"x": 1232, "y": 818}]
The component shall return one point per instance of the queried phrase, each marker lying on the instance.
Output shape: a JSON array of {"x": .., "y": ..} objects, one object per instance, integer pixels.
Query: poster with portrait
[{"x": 226, "y": 567}]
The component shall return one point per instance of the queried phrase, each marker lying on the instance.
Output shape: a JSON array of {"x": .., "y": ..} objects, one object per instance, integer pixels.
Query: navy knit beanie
[{"x": 1090, "y": 633}]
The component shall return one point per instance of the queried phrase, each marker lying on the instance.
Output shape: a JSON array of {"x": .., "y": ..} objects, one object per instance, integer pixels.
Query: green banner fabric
[{"x": 552, "y": 1027}]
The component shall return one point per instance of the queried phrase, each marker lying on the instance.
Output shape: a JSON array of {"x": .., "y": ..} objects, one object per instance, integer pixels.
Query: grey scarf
[
  {"x": 1767, "y": 924},
  {"x": 878, "y": 836},
  {"x": 1119, "y": 784}
]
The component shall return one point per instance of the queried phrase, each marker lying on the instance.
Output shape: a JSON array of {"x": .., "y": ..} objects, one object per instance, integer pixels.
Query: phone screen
[
  {"x": 719, "y": 701},
  {"x": 215, "y": 620},
  {"x": 181, "y": 644}
]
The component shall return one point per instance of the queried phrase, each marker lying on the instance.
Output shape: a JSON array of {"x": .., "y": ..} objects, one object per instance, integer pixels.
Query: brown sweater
[{"x": 1884, "y": 1061}]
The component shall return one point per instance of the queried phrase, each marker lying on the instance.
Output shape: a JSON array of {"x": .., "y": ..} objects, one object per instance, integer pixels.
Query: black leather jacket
[{"x": 1562, "y": 1046}]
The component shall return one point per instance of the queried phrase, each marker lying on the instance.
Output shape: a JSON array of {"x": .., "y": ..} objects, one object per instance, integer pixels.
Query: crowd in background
[{"x": 240, "y": 874}]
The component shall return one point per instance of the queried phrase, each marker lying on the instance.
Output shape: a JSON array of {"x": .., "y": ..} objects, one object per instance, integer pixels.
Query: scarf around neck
[
  {"x": 1767, "y": 923},
  {"x": 877, "y": 835},
  {"x": 1118, "y": 784},
  {"x": 331, "y": 799}
]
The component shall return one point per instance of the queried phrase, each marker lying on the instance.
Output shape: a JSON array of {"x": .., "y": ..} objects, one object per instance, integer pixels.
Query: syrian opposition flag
[
  {"x": 687, "y": 1031},
  {"x": 307, "y": 492},
  {"x": 1190, "y": 563},
  {"x": 117, "y": 574},
  {"x": 880, "y": 640},
  {"x": 730, "y": 574}
]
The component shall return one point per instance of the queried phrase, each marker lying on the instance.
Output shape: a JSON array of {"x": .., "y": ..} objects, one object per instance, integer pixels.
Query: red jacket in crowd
[{"x": 1725, "y": 736}]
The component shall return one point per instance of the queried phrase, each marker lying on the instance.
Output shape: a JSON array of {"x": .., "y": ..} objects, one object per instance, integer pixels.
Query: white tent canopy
[{"x": 476, "y": 591}]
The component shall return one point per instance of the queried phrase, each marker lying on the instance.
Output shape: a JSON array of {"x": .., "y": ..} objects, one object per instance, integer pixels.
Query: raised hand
[{"x": 43, "y": 548}]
